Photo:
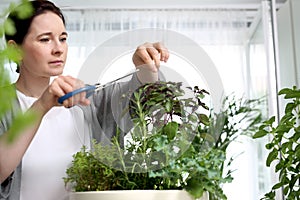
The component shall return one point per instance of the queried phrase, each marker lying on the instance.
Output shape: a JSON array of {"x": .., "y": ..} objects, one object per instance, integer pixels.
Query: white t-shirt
[{"x": 61, "y": 134}]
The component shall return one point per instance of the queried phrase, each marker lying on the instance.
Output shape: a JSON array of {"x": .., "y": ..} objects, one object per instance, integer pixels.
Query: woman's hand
[
  {"x": 59, "y": 87},
  {"x": 147, "y": 58}
]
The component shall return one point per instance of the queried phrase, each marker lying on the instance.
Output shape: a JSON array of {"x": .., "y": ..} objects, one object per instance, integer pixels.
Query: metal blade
[{"x": 99, "y": 86}]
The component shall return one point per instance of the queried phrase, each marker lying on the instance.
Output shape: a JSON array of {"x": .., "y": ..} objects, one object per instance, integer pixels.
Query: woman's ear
[
  {"x": 11, "y": 42},
  {"x": 14, "y": 53}
]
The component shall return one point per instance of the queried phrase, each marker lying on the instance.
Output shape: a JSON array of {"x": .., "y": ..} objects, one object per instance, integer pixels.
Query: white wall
[{"x": 289, "y": 43}]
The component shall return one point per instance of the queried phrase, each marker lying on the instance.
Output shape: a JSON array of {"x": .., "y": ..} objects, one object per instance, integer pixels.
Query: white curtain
[{"x": 222, "y": 33}]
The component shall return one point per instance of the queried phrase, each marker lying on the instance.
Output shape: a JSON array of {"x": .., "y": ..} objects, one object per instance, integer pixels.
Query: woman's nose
[{"x": 58, "y": 48}]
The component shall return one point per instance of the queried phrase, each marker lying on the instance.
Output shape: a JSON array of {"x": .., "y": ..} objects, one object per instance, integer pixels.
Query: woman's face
[{"x": 45, "y": 46}]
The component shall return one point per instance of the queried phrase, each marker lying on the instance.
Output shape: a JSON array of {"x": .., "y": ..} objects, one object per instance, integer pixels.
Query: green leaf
[
  {"x": 260, "y": 133},
  {"x": 9, "y": 27},
  {"x": 13, "y": 53},
  {"x": 282, "y": 128},
  {"x": 193, "y": 118},
  {"x": 270, "y": 195},
  {"x": 207, "y": 137},
  {"x": 277, "y": 185},
  {"x": 204, "y": 119},
  {"x": 269, "y": 146},
  {"x": 21, "y": 122},
  {"x": 195, "y": 187},
  {"x": 168, "y": 106},
  {"x": 271, "y": 157},
  {"x": 289, "y": 93},
  {"x": 170, "y": 129},
  {"x": 279, "y": 166},
  {"x": 294, "y": 179},
  {"x": 289, "y": 107},
  {"x": 7, "y": 95},
  {"x": 270, "y": 121},
  {"x": 286, "y": 146},
  {"x": 285, "y": 91},
  {"x": 24, "y": 11},
  {"x": 286, "y": 190},
  {"x": 297, "y": 151}
]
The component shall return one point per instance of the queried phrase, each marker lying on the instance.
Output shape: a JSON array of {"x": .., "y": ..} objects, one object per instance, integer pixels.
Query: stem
[
  {"x": 121, "y": 156},
  {"x": 143, "y": 125}
]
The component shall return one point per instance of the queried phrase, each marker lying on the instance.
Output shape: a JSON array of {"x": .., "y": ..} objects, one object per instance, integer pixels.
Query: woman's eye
[
  {"x": 63, "y": 39},
  {"x": 44, "y": 39}
]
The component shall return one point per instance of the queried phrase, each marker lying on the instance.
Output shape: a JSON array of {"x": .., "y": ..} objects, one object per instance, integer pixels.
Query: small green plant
[
  {"x": 238, "y": 117},
  {"x": 284, "y": 146},
  {"x": 156, "y": 156},
  {"x": 172, "y": 145}
]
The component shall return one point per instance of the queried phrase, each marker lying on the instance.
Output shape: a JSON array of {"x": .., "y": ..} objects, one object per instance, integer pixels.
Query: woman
[{"x": 32, "y": 166}]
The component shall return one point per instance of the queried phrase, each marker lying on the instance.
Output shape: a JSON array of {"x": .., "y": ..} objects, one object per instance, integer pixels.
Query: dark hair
[{"x": 22, "y": 25}]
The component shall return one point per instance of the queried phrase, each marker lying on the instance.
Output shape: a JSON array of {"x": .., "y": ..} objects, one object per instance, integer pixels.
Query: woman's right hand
[{"x": 59, "y": 87}]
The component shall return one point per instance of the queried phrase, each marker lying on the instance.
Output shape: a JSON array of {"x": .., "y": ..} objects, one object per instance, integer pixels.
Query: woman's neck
[{"x": 32, "y": 87}]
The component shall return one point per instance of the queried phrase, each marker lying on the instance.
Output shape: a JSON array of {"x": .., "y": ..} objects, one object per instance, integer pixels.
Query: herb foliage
[
  {"x": 284, "y": 146},
  {"x": 176, "y": 143}
]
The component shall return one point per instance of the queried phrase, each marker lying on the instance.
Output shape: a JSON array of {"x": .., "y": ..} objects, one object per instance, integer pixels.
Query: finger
[
  {"x": 70, "y": 102},
  {"x": 79, "y": 98},
  {"x": 154, "y": 55},
  {"x": 66, "y": 84},
  {"x": 67, "y": 103},
  {"x": 59, "y": 88},
  {"x": 143, "y": 59},
  {"x": 85, "y": 102},
  {"x": 82, "y": 97},
  {"x": 143, "y": 55},
  {"x": 74, "y": 82},
  {"x": 164, "y": 53}
]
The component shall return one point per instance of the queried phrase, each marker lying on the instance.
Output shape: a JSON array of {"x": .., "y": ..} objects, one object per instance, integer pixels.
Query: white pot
[{"x": 134, "y": 195}]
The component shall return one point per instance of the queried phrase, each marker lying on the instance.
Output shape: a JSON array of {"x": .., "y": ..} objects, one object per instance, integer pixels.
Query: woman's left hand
[{"x": 147, "y": 58}]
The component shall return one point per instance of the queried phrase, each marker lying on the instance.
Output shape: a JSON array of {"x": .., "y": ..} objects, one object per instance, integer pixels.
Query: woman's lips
[{"x": 56, "y": 62}]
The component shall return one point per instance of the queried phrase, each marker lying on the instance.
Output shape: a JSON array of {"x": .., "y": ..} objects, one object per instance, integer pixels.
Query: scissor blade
[{"x": 99, "y": 86}]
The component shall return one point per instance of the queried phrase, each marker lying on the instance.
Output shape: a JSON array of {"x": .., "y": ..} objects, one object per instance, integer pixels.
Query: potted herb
[
  {"x": 175, "y": 145},
  {"x": 284, "y": 146}
]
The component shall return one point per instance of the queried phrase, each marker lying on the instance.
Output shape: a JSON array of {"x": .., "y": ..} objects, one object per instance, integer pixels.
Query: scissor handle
[{"x": 89, "y": 89}]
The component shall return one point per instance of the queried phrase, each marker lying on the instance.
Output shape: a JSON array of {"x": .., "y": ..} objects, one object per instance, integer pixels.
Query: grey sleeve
[
  {"x": 10, "y": 188},
  {"x": 105, "y": 113},
  {"x": 5, "y": 189}
]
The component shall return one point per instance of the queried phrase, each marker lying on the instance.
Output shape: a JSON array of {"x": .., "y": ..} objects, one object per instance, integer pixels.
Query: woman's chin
[{"x": 56, "y": 72}]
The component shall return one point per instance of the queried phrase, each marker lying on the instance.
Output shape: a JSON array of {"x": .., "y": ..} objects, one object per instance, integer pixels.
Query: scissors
[{"x": 91, "y": 89}]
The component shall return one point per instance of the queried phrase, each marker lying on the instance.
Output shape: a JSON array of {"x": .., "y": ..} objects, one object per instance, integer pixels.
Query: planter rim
[
  {"x": 134, "y": 195},
  {"x": 128, "y": 191}
]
